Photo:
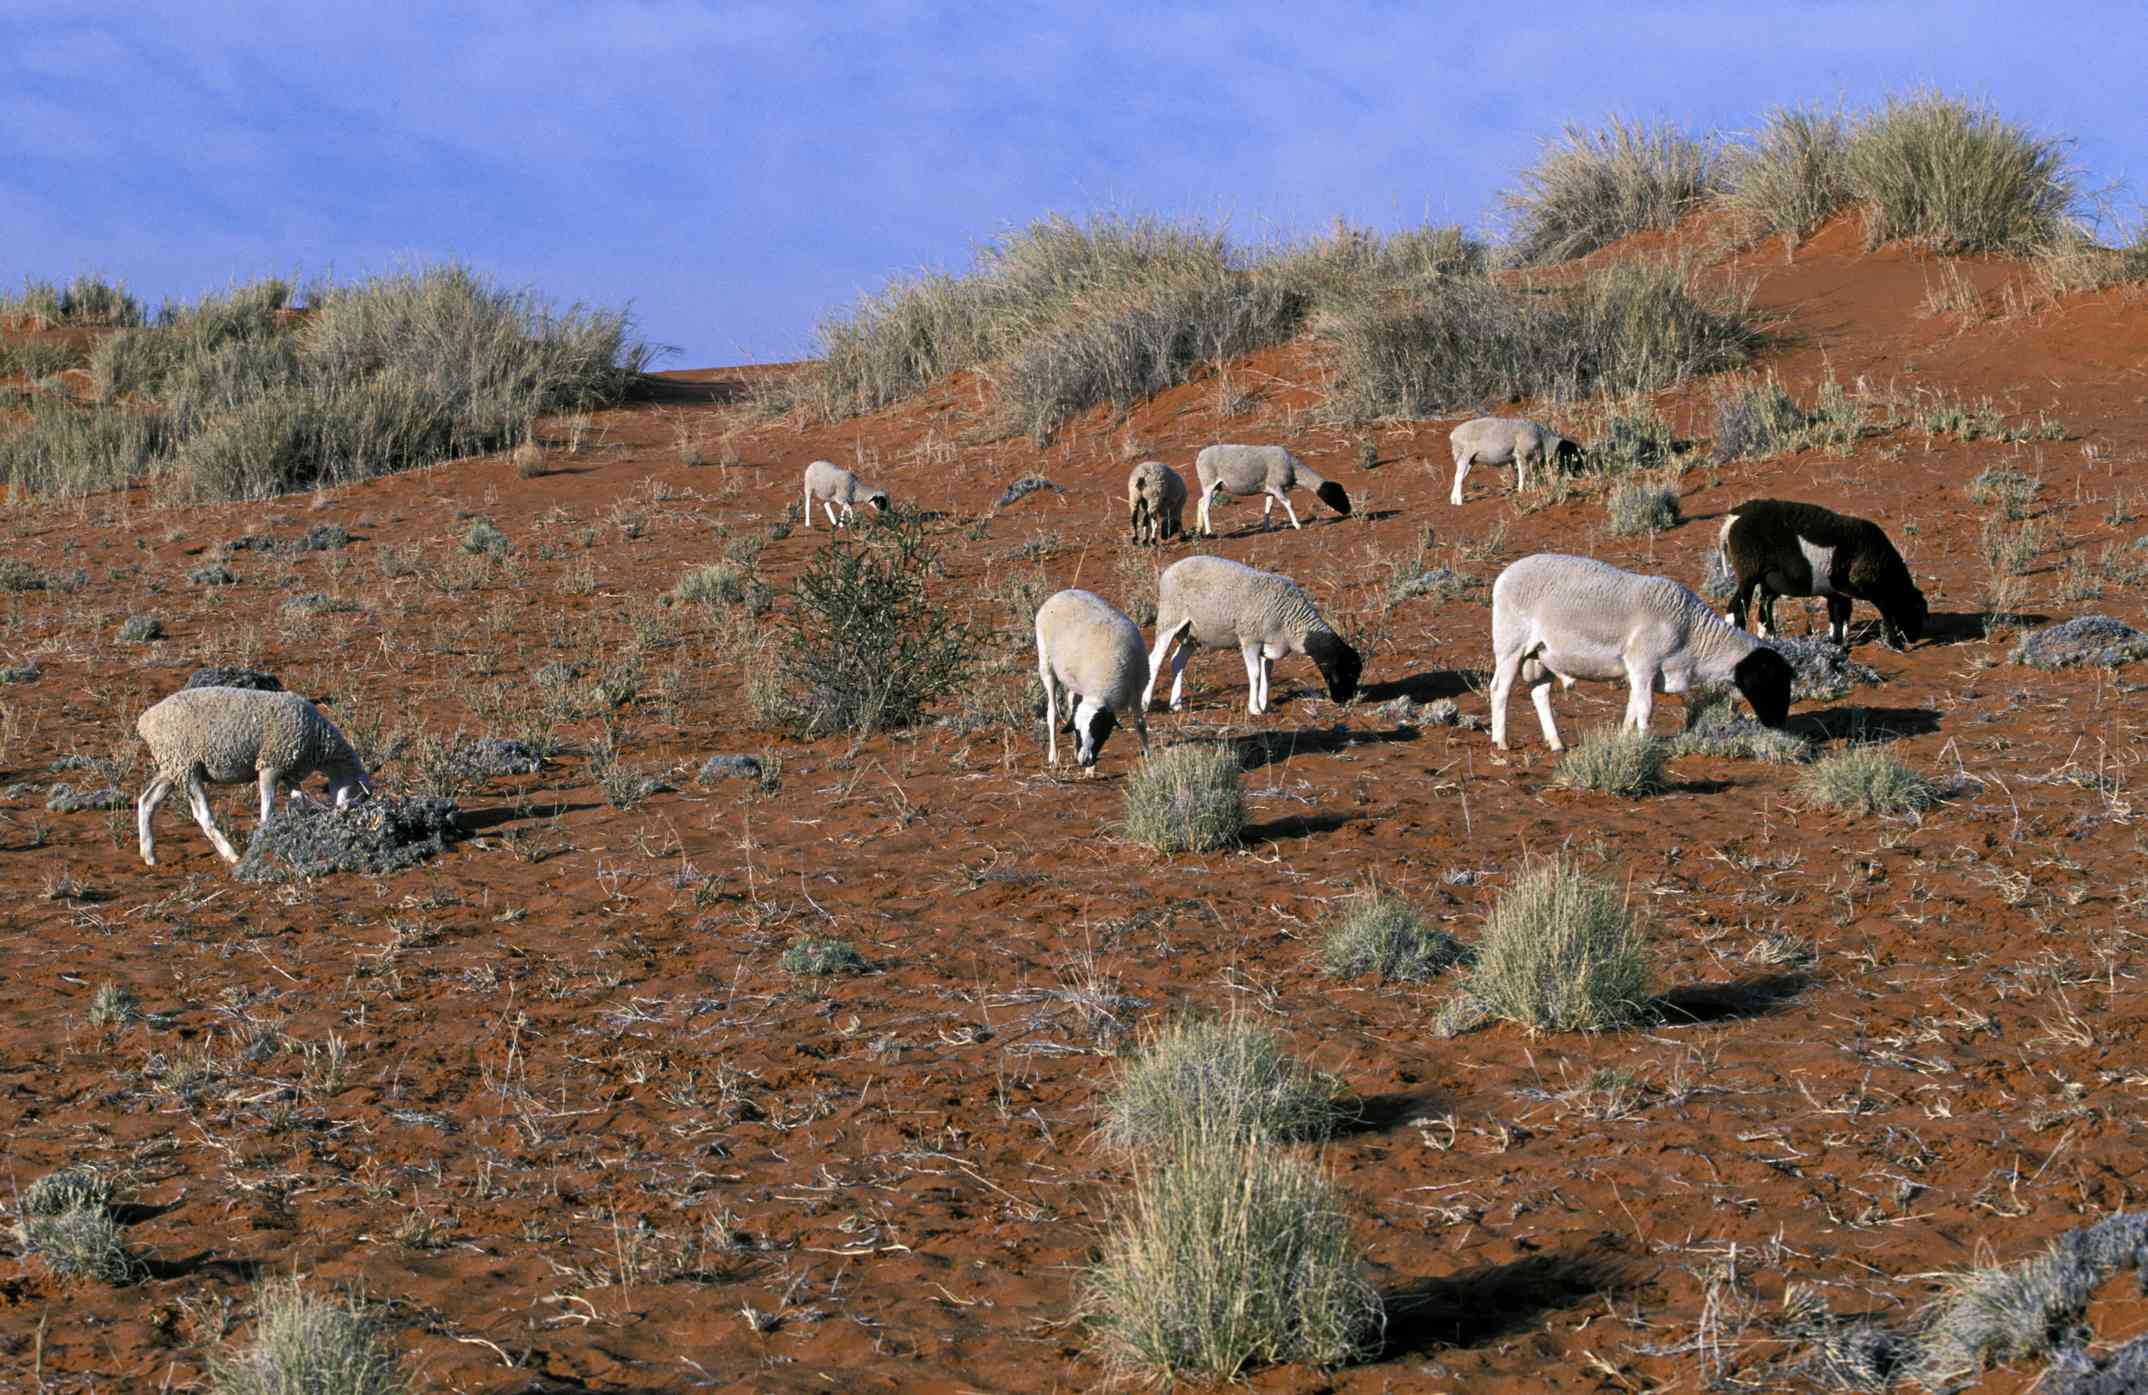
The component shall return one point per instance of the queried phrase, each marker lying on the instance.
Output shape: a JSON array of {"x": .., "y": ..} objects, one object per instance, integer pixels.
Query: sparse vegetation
[
  {"x": 822, "y": 956},
  {"x": 1794, "y": 175},
  {"x": 1185, "y": 799},
  {"x": 1560, "y": 953},
  {"x": 1214, "y": 1081},
  {"x": 1381, "y": 934},
  {"x": 1616, "y": 760},
  {"x": 1230, "y": 1256},
  {"x": 1636, "y": 506},
  {"x": 1957, "y": 178},
  {"x": 1867, "y": 780},
  {"x": 1590, "y": 188},
  {"x": 307, "y": 1343}
]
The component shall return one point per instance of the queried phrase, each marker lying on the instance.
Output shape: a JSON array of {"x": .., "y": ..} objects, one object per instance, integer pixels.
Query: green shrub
[
  {"x": 1713, "y": 728},
  {"x": 87, "y": 300},
  {"x": 140, "y": 629},
  {"x": 1217, "y": 1080},
  {"x": 1637, "y": 506},
  {"x": 1616, "y": 760},
  {"x": 64, "y": 451},
  {"x": 1231, "y": 1255},
  {"x": 1795, "y": 175},
  {"x": 1868, "y": 780},
  {"x": 1560, "y": 953},
  {"x": 869, "y": 647},
  {"x": 482, "y": 536},
  {"x": 308, "y": 1344},
  {"x": 1756, "y": 417},
  {"x": 1957, "y": 179},
  {"x": 1186, "y": 799},
  {"x": 1383, "y": 935},
  {"x": 822, "y": 956},
  {"x": 1591, "y": 188}
]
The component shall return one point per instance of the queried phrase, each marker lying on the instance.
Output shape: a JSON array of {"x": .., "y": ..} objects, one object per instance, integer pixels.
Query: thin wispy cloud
[{"x": 737, "y": 171}]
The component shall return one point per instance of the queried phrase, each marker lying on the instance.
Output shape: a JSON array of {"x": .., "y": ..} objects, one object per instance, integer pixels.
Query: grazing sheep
[
  {"x": 1220, "y": 603},
  {"x": 1555, "y": 616},
  {"x": 1085, "y": 645},
  {"x": 1156, "y": 502},
  {"x": 227, "y": 736},
  {"x": 829, "y": 484},
  {"x": 1501, "y": 441},
  {"x": 1781, "y": 548},
  {"x": 1269, "y": 470}
]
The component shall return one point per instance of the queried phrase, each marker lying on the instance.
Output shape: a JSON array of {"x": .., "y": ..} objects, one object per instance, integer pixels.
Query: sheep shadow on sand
[
  {"x": 1266, "y": 748},
  {"x": 1965, "y": 626},
  {"x": 1493, "y": 1301},
  {"x": 1705, "y": 1004},
  {"x": 1864, "y": 725}
]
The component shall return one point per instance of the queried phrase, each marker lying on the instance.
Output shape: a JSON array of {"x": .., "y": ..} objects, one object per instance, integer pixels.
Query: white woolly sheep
[
  {"x": 1502, "y": 441},
  {"x": 1555, "y": 616},
  {"x": 1155, "y": 502},
  {"x": 1219, "y": 603},
  {"x": 1087, "y": 646},
  {"x": 1269, "y": 470},
  {"x": 228, "y": 736},
  {"x": 829, "y": 484}
]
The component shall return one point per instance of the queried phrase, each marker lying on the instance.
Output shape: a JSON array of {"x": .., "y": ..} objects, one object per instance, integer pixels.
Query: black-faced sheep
[
  {"x": 1223, "y": 604},
  {"x": 230, "y": 736},
  {"x": 1556, "y": 616},
  {"x": 829, "y": 484},
  {"x": 1155, "y": 502},
  {"x": 1781, "y": 548},
  {"x": 1088, "y": 647},
  {"x": 1502, "y": 441},
  {"x": 1269, "y": 470}
]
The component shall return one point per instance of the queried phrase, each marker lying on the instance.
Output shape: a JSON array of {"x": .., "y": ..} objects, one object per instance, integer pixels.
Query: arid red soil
[{"x": 590, "y": 1135}]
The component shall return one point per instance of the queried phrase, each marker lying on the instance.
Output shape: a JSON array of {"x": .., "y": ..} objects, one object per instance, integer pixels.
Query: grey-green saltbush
[
  {"x": 140, "y": 629},
  {"x": 1560, "y": 953},
  {"x": 1186, "y": 799},
  {"x": 1868, "y": 780},
  {"x": 1616, "y": 760},
  {"x": 1382, "y": 934},
  {"x": 821, "y": 956},
  {"x": 1641, "y": 506}
]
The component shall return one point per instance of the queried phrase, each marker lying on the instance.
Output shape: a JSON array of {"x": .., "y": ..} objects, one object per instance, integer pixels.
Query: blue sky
[{"x": 736, "y": 171}]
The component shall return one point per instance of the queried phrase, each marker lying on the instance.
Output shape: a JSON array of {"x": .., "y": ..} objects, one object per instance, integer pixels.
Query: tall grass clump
[
  {"x": 88, "y": 301},
  {"x": 1381, "y": 934},
  {"x": 232, "y": 399},
  {"x": 1231, "y": 1255},
  {"x": 1633, "y": 326},
  {"x": 308, "y": 1343},
  {"x": 1590, "y": 188},
  {"x": 1641, "y": 505},
  {"x": 1755, "y": 417},
  {"x": 870, "y": 649},
  {"x": 1794, "y": 175},
  {"x": 1186, "y": 799},
  {"x": 1936, "y": 170},
  {"x": 1560, "y": 953},
  {"x": 1215, "y": 1080},
  {"x": 64, "y": 1219},
  {"x": 1616, "y": 760},
  {"x": 1867, "y": 780}
]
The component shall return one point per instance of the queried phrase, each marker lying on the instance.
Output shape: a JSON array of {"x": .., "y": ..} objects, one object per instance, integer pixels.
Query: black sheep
[{"x": 1781, "y": 548}]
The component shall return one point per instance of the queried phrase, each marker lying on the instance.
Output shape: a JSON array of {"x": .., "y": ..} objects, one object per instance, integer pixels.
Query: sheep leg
[
  {"x": 1256, "y": 698},
  {"x": 1766, "y": 626},
  {"x": 1208, "y": 528},
  {"x": 198, "y": 796},
  {"x": 1741, "y": 602},
  {"x": 145, "y": 809},
  {"x": 1461, "y": 472},
  {"x": 1640, "y": 698},
  {"x": 1521, "y": 471},
  {"x": 1267, "y": 508},
  {"x": 268, "y": 782},
  {"x": 1051, "y": 713},
  {"x": 1838, "y": 620},
  {"x": 809, "y": 508},
  {"x": 1284, "y": 499},
  {"x": 1178, "y": 678},
  {"x": 1540, "y": 694},
  {"x": 1503, "y": 674},
  {"x": 1166, "y": 636},
  {"x": 1141, "y": 728}
]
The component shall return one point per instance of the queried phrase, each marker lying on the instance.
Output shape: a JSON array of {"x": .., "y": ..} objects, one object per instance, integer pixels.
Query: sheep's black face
[
  {"x": 1335, "y": 497},
  {"x": 1339, "y": 664},
  {"x": 1099, "y": 725},
  {"x": 1911, "y": 614},
  {"x": 1568, "y": 457},
  {"x": 878, "y": 501},
  {"x": 1765, "y": 678}
]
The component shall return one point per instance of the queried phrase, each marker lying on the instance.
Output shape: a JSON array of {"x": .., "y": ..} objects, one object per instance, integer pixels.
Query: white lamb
[
  {"x": 829, "y": 484},
  {"x": 1087, "y": 646},
  {"x": 228, "y": 736},
  {"x": 1224, "y": 604},
  {"x": 1502, "y": 441},
  {"x": 1155, "y": 502},
  {"x": 1555, "y": 616},
  {"x": 1269, "y": 470}
]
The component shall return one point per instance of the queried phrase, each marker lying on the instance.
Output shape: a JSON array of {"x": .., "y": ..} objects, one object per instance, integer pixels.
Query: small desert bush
[
  {"x": 821, "y": 956},
  {"x": 482, "y": 536},
  {"x": 68, "y": 1189},
  {"x": 870, "y": 648},
  {"x": 141, "y": 629},
  {"x": 1794, "y": 175},
  {"x": 1560, "y": 953},
  {"x": 307, "y": 1343},
  {"x": 1211, "y": 1080},
  {"x": 1381, "y": 934},
  {"x": 1756, "y": 417},
  {"x": 1713, "y": 728},
  {"x": 1616, "y": 760},
  {"x": 2011, "y": 489},
  {"x": 1634, "y": 437},
  {"x": 1590, "y": 188},
  {"x": 87, "y": 300},
  {"x": 1635, "y": 325},
  {"x": 1867, "y": 780},
  {"x": 64, "y": 1220},
  {"x": 1957, "y": 178},
  {"x": 1231, "y": 1255},
  {"x": 1636, "y": 506},
  {"x": 1186, "y": 799}
]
